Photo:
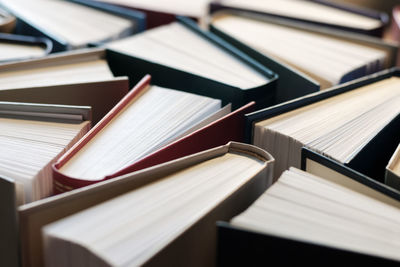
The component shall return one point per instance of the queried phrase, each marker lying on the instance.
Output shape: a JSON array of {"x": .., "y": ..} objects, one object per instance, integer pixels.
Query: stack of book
[{"x": 125, "y": 146}]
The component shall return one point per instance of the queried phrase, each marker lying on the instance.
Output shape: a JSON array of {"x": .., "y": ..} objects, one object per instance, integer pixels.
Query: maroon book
[{"x": 219, "y": 132}]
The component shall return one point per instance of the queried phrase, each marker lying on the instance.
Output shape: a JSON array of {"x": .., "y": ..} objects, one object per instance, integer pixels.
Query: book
[
  {"x": 392, "y": 174},
  {"x": 221, "y": 185},
  {"x": 33, "y": 137},
  {"x": 329, "y": 56},
  {"x": 193, "y": 53},
  {"x": 164, "y": 12},
  {"x": 222, "y": 129},
  {"x": 34, "y": 216},
  {"x": 347, "y": 124},
  {"x": 90, "y": 24},
  {"x": 145, "y": 120},
  {"x": 18, "y": 47},
  {"x": 7, "y": 21},
  {"x": 314, "y": 219},
  {"x": 72, "y": 78},
  {"x": 323, "y": 13}
]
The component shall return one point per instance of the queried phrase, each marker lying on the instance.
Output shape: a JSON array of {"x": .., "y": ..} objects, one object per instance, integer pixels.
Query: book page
[
  {"x": 55, "y": 74},
  {"x": 337, "y": 127},
  {"x": 28, "y": 148},
  {"x": 176, "y": 46},
  {"x": 324, "y": 58},
  {"x": 137, "y": 225},
  {"x": 308, "y": 10},
  {"x": 14, "y": 50},
  {"x": 311, "y": 209},
  {"x": 147, "y": 123}
]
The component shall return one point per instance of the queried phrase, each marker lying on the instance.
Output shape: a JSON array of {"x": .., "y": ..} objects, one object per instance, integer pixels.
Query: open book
[
  {"x": 137, "y": 228},
  {"x": 71, "y": 78},
  {"x": 156, "y": 10},
  {"x": 183, "y": 56},
  {"x": 179, "y": 47},
  {"x": 316, "y": 220},
  {"x": 338, "y": 125},
  {"x": 33, "y": 137},
  {"x": 328, "y": 57},
  {"x": 146, "y": 119},
  {"x": 70, "y": 24},
  {"x": 323, "y": 13},
  {"x": 18, "y": 47}
]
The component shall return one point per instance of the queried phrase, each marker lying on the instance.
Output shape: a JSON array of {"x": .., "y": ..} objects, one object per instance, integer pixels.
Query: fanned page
[
  {"x": 61, "y": 72},
  {"x": 178, "y": 47},
  {"x": 308, "y": 208},
  {"x": 326, "y": 59},
  {"x": 338, "y": 127},
  {"x": 194, "y": 8},
  {"x": 137, "y": 225},
  {"x": 157, "y": 117},
  {"x": 28, "y": 148},
  {"x": 9, "y": 51},
  {"x": 75, "y": 24},
  {"x": 308, "y": 10}
]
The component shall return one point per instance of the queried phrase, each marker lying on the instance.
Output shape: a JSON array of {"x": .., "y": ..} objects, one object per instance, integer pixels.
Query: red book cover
[
  {"x": 64, "y": 183},
  {"x": 219, "y": 132}
]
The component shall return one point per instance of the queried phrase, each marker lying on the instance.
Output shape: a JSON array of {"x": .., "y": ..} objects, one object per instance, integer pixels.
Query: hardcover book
[
  {"x": 19, "y": 47},
  {"x": 353, "y": 124},
  {"x": 145, "y": 120},
  {"x": 90, "y": 23},
  {"x": 71, "y": 78},
  {"x": 182, "y": 56},
  {"x": 315, "y": 219},
  {"x": 322, "y": 13},
  {"x": 33, "y": 136},
  {"x": 177, "y": 248},
  {"x": 328, "y": 56}
]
